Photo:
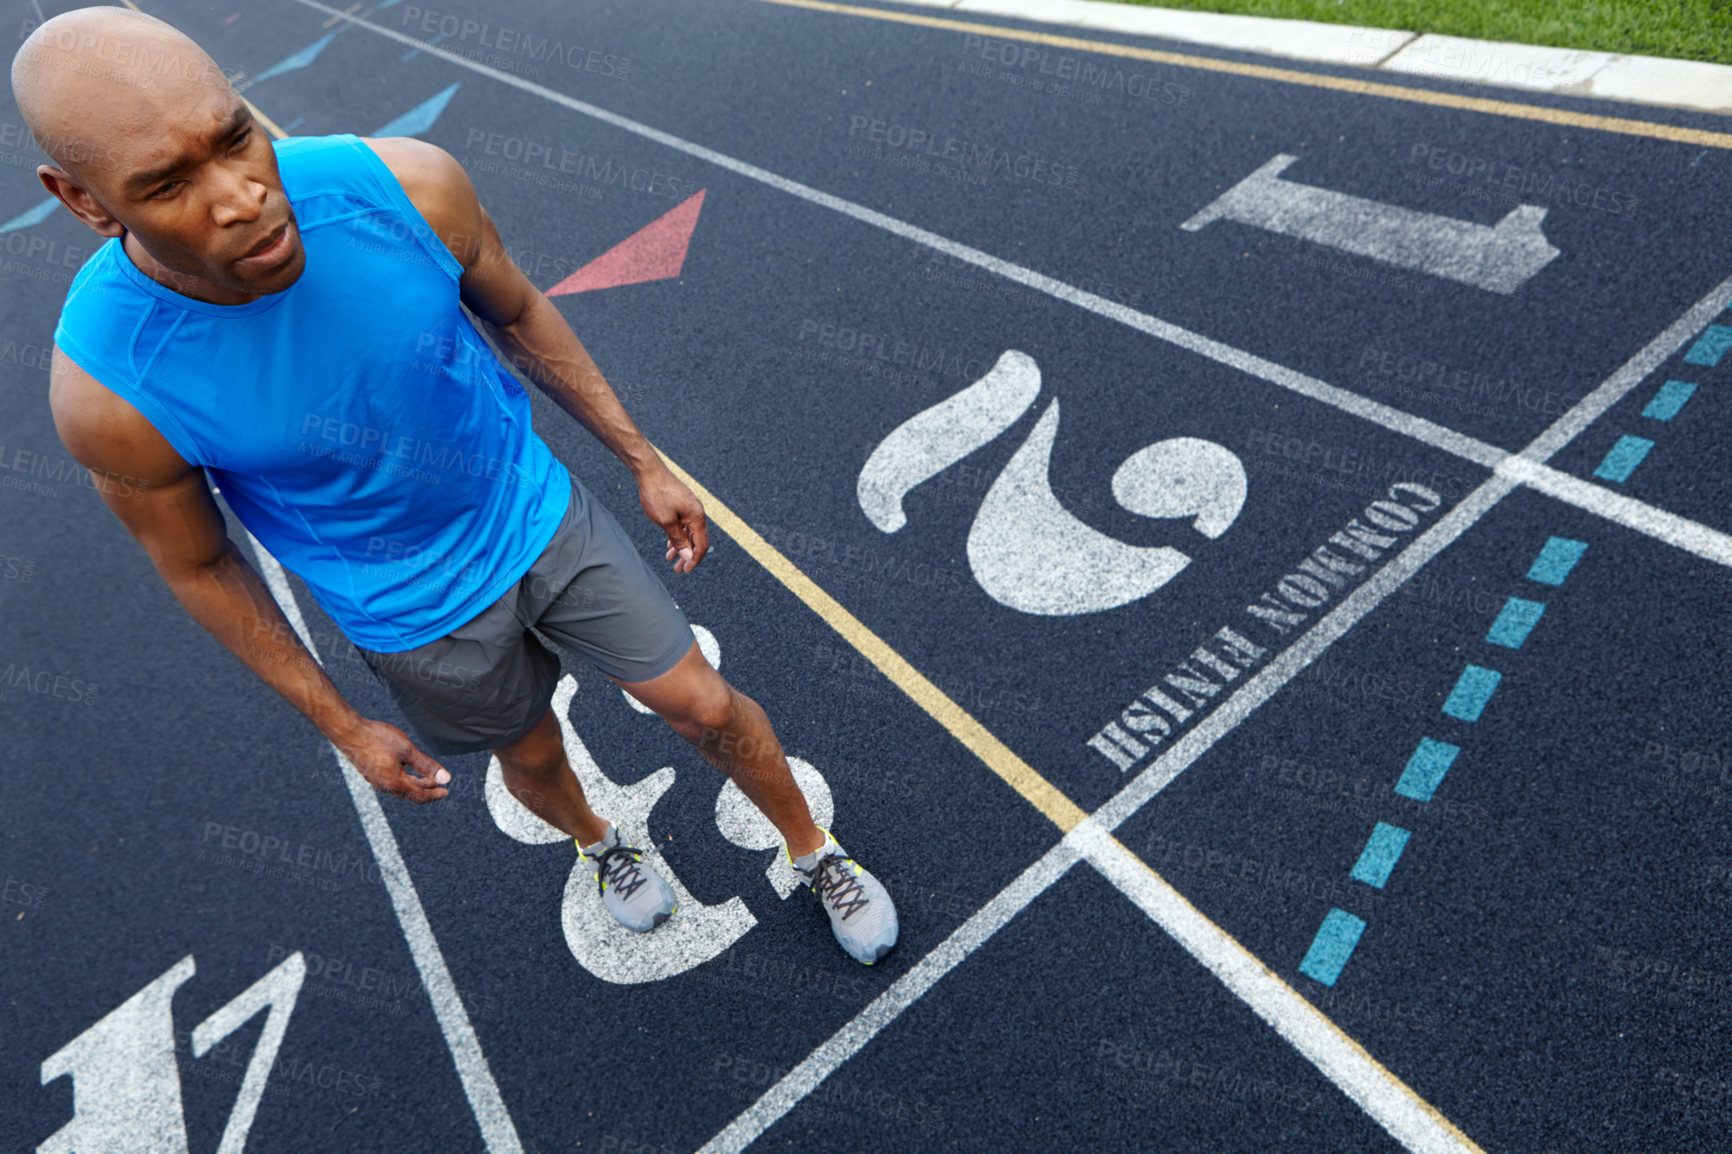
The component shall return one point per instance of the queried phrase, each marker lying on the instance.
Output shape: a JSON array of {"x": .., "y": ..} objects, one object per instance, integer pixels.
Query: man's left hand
[{"x": 671, "y": 505}]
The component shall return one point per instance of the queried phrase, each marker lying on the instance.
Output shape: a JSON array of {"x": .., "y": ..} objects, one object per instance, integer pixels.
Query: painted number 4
[{"x": 125, "y": 1078}]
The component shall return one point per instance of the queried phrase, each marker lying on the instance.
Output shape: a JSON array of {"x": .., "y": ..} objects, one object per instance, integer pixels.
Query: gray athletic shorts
[{"x": 488, "y": 682}]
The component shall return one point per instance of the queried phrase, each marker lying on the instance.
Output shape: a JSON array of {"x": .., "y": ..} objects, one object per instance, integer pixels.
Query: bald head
[
  {"x": 92, "y": 81},
  {"x": 154, "y": 147}
]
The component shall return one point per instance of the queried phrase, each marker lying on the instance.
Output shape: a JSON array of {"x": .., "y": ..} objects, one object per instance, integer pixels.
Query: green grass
[{"x": 1683, "y": 29}]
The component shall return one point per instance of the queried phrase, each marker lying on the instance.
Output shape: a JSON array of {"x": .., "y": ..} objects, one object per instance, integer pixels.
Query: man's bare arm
[
  {"x": 537, "y": 339},
  {"x": 165, "y": 504}
]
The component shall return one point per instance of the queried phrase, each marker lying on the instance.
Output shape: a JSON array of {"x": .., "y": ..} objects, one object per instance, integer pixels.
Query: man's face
[{"x": 201, "y": 193}]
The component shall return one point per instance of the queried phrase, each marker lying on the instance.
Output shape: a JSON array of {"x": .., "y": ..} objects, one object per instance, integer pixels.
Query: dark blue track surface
[{"x": 1546, "y": 965}]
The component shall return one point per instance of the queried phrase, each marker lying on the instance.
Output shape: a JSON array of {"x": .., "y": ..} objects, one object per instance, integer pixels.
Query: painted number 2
[{"x": 1027, "y": 551}]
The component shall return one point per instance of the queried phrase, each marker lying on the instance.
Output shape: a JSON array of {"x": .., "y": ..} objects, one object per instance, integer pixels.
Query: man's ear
[{"x": 78, "y": 201}]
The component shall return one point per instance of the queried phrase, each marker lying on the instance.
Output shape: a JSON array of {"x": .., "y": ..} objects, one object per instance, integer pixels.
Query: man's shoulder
[
  {"x": 435, "y": 184},
  {"x": 103, "y": 430}
]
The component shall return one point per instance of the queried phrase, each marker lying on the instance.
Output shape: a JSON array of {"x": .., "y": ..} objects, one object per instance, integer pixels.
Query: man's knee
[
  {"x": 708, "y": 713},
  {"x": 535, "y": 766},
  {"x": 533, "y": 756}
]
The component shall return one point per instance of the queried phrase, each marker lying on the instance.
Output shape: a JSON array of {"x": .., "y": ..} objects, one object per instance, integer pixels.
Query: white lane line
[
  {"x": 886, "y": 1007},
  {"x": 1409, "y": 1119},
  {"x": 1396, "y": 1105},
  {"x": 497, "y": 1129},
  {"x": 1691, "y": 536},
  {"x": 1612, "y": 506}
]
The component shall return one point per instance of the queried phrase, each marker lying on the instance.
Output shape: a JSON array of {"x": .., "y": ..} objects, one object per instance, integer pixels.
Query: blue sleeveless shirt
[{"x": 356, "y": 422}]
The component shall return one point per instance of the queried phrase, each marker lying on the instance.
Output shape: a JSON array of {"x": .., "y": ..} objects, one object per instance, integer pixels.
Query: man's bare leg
[
  {"x": 538, "y": 775},
  {"x": 733, "y": 734}
]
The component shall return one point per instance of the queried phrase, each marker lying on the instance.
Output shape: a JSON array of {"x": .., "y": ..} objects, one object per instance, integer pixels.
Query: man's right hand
[{"x": 384, "y": 755}]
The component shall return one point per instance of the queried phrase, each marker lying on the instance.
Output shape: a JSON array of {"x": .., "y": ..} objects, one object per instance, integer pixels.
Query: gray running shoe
[
  {"x": 634, "y": 893},
  {"x": 862, "y": 916}
]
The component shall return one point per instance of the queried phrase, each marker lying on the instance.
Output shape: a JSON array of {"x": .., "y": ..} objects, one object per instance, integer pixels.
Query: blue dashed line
[
  {"x": 1332, "y": 946},
  {"x": 1669, "y": 400},
  {"x": 1382, "y": 851},
  {"x": 1556, "y": 560},
  {"x": 1340, "y": 932},
  {"x": 1623, "y": 458},
  {"x": 1710, "y": 346},
  {"x": 1472, "y": 690},
  {"x": 1515, "y": 622},
  {"x": 1425, "y": 769}
]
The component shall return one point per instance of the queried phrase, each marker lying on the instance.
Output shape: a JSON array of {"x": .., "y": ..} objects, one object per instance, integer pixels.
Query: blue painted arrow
[
  {"x": 419, "y": 118},
  {"x": 299, "y": 60},
  {"x": 31, "y": 216}
]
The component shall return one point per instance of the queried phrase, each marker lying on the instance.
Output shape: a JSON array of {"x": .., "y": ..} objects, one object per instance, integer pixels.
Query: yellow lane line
[
  {"x": 270, "y": 125},
  {"x": 1507, "y": 108}
]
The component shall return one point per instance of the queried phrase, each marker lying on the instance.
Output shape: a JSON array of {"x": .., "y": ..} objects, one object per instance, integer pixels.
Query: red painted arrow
[{"x": 657, "y": 251}]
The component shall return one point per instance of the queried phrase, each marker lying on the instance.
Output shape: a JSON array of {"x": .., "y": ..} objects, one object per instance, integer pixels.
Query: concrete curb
[{"x": 1683, "y": 84}]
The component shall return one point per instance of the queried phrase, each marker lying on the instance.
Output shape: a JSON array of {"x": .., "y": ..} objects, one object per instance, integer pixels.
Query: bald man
[{"x": 287, "y": 321}]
